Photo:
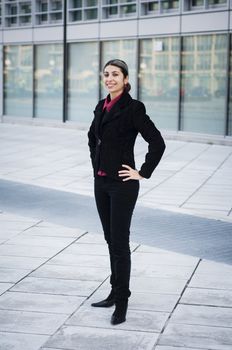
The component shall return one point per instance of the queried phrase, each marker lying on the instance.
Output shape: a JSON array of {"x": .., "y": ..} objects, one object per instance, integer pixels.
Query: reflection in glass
[
  {"x": 49, "y": 81},
  {"x": 83, "y": 81},
  {"x": 18, "y": 78},
  {"x": 126, "y": 51},
  {"x": 203, "y": 81},
  {"x": 159, "y": 77}
]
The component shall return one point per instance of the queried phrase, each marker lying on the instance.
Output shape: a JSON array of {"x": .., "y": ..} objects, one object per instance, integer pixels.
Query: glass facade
[
  {"x": 159, "y": 80},
  {"x": 126, "y": 51},
  {"x": 83, "y": 81},
  {"x": 18, "y": 80},
  {"x": 203, "y": 84},
  {"x": 49, "y": 81},
  {"x": 183, "y": 81},
  {"x": 18, "y": 13}
]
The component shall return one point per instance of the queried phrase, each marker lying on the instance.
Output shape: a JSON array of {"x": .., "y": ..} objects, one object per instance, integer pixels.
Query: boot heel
[{"x": 119, "y": 315}]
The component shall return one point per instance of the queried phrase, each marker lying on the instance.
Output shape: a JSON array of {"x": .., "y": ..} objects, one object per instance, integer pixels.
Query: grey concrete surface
[
  {"x": 192, "y": 177},
  {"x": 48, "y": 305},
  {"x": 54, "y": 262}
]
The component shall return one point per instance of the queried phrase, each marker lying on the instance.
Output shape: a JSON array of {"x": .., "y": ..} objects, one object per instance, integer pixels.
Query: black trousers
[{"x": 115, "y": 202}]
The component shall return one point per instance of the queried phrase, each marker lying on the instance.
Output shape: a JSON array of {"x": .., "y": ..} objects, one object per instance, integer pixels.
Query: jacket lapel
[
  {"x": 102, "y": 118},
  {"x": 98, "y": 117},
  {"x": 116, "y": 109}
]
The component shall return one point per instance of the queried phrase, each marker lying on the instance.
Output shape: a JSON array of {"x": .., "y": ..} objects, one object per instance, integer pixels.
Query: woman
[{"x": 117, "y": 122}]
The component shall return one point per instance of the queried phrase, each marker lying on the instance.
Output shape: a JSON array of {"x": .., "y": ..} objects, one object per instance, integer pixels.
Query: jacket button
[{"x": 99, "y": 142}]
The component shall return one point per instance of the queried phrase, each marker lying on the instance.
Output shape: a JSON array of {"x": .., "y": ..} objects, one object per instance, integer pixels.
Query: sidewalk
[
  {"x": 192, "y": 177},
  {"x": 50, "y": 274}
]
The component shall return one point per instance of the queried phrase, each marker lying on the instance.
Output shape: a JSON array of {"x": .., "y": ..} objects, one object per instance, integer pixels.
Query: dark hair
[{"x": 124, "y": 68}]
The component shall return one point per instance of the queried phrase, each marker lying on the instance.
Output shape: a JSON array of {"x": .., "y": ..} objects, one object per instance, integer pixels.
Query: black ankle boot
[
  {"x": 108, "y": 302},
  {"x": 119, "y": 314}
]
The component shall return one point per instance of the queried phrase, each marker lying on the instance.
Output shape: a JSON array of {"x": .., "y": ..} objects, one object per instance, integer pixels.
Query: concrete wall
[
  {"x": 205, "y": 22},
  {"x": 215, "y": 21}
]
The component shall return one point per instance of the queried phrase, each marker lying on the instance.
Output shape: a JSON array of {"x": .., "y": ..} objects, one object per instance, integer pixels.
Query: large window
[
  {"x": 49, "y": 81},
  {"x": 159, "y": 80},
  {"x": 82, "y": 10},
  {"x": 18, "y": 77},
  {"x": 83, "y": 78},
  {"x": 203, "y": 82},
  {"x": 126, "y": 51},
  {"x": 118, "y": 8}
]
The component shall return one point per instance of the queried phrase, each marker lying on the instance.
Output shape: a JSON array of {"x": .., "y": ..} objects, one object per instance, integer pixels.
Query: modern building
[{"x": 179, "y": 53}]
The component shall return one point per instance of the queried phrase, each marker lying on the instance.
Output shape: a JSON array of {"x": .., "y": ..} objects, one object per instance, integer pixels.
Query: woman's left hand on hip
[{"x": 129, "y": 173}]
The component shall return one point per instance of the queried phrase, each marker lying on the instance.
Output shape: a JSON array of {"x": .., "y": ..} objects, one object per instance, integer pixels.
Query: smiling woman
[{"x": 117, "y": 122}]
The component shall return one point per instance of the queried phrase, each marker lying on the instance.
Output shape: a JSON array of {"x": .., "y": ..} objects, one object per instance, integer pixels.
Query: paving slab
[
  {"x": 56, "y": 286},
  {"x": 210, "y": 297},
  {"x": 30, "y": 322},
  {"x": 164, "y": 259},
  {"x": 157, "y": 285},
  {"x": 202, "y": 315},
  {"x": 21, "y": 262},
  {"x": 80, "y": 260},
  {"x": 91, "y": 249},
  {"x": 145, "y": 321},
  {"x": 25, "y": 251},
  {"x": 194, "y": 336},
  {"x": 92, "y": 238},
  {"x": 58, "y": 304},
  {"x": 165, "y": 271},
  {"x": 72, "y": 272},
  {"x": 17, "y": 341},
  {"x": 211, "y": 281},
  {"x": 25, "y": 239},
  {"x": 82, "y": 338},
  {"x": 211, "y": 267},
  {"x": 12, "y": 275},
  {"x": 5, "y": 286},
  {"x": 56, "y": 231}
]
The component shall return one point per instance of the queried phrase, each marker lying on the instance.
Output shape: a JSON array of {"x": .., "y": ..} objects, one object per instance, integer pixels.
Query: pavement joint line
[
  {"x": 204, "y": 325},
  {"x": 45, "y": 262},
  {"x": 208, "y": 305},
  {"x": 116, "y": 328},
  {"x": 177, "y": 303},
  {"x": 209, "y": 177},
  {"x": 34, "y": 225},
  {"x": 35, "y": 311},
  {"x": 176, "y": 172},
  {"x": 45, "y": 293},
  {"x": 230, "y": 211},
  {"x": 136, "y": 248},
  {"x": 17, "y": 332}
]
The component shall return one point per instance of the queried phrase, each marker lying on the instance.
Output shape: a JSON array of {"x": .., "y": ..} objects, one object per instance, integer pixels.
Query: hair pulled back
[{"x": 124, "y": 69}]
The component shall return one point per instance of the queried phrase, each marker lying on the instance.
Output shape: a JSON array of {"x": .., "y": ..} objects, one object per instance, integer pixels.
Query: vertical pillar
[
  {"x": 1, "y": 82},
  {"x": 65, "y": 62}
]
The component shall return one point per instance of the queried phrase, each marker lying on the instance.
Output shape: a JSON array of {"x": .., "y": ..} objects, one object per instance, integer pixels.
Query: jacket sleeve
[
  {"x": 152, "y": 136},
  {"x": 92, "y": 141}
]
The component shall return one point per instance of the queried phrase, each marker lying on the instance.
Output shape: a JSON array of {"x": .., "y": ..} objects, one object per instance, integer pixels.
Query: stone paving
[
  {"x": 192, "y": 178},
  {"x": 50, "y": 274}
]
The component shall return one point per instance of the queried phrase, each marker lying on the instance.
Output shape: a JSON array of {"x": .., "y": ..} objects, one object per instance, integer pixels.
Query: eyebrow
[{"x": 114, "y": 71}]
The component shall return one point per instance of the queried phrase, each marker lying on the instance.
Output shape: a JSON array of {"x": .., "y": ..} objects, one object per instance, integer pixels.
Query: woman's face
[{"x": 114, "y": 80}]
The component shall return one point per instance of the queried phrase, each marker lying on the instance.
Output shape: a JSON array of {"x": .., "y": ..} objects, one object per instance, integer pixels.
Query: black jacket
[{"x": 112, "y": 137}]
